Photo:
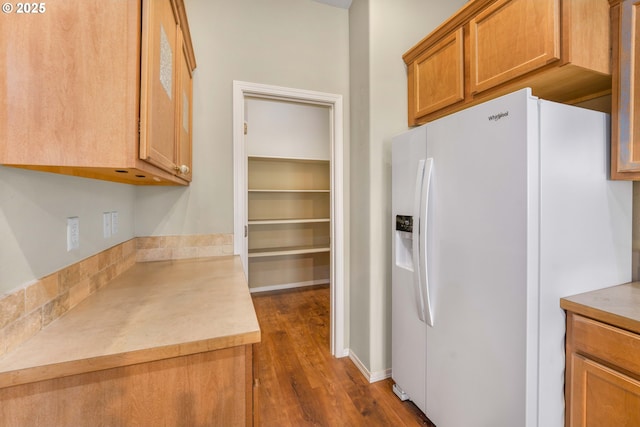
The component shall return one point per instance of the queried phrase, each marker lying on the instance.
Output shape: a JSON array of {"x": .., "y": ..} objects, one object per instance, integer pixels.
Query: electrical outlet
[
  {"x": 73, "y": 233},
  {"x": 106, "y": 224},
  {"x": 114, "y": 222}
]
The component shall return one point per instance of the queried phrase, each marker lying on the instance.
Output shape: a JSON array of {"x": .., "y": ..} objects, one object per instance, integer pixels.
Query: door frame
[{"x": 243, "y": 89}]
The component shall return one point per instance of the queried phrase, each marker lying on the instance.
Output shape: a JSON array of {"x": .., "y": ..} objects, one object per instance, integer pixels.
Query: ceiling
[{"x": 338, "y": 3}]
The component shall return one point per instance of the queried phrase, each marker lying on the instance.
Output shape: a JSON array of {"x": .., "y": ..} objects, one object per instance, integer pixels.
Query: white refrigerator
[{"x": 498, "y": 211}]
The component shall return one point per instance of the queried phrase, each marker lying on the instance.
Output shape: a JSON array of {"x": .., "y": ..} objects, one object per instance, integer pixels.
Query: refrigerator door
[
  {"x": 479, "y": 361},
  {"x": 408, "y": 331}
]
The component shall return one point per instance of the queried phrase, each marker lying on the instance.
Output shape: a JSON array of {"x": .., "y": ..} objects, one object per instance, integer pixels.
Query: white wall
[
  {"x": 359, "y": 288},
  {"x": 34, "y": 207},
  {"x": 287, "y": 129},
  {"x": 380, "y": 77},
  {"x": 293, "y": 43}
]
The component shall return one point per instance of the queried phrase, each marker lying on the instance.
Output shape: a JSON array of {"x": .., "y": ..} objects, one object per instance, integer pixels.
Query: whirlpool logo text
[{"x": 496, "y": 117}]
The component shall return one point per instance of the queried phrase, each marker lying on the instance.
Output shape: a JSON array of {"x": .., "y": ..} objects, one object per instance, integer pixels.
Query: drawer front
[
  {"x": 607, "y": 343},
  {"x": 512, "y": 38}
]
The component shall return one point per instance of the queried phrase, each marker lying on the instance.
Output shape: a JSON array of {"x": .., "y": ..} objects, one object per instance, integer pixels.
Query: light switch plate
[
  {"x": 114, "y": 222},
  {"x": 106, "y": 225},
  {"x": 73, "y": 233}
]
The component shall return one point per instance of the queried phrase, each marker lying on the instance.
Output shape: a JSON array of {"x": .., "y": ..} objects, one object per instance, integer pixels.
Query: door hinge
[
  {"x": 245, "y": 128},
  {"x": 246, "y": 231},
  {"x": 139, "y": 127}
]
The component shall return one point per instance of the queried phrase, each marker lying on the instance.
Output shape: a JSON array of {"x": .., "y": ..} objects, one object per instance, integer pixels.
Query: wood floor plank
[{"x": 301, "y": 384}]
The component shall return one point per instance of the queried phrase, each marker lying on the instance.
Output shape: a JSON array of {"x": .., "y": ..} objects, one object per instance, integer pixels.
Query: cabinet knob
[{"x": 183, "y": 169}]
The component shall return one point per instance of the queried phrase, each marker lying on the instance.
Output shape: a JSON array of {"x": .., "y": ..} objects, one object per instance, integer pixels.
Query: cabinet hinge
[
  {"x": 245, "y": 128},
  {"x": 139, "y": 127}
]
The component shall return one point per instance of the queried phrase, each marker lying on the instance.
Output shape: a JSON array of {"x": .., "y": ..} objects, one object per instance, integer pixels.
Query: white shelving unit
[{"x": 289, "y": 202}]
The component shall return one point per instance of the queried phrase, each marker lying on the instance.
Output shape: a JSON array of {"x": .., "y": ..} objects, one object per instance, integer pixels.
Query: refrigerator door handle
[
  {"x": 423, "y": 262},
  {"x": 417, "y": 286}
]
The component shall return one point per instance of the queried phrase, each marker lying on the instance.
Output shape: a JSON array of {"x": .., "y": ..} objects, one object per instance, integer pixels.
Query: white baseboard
[
  {"x": 372, "y": 377},
  {"x": 288, "y": 286}
]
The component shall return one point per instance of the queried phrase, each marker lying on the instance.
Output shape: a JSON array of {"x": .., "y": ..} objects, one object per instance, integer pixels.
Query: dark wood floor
[{"x": 301, "y": 384}]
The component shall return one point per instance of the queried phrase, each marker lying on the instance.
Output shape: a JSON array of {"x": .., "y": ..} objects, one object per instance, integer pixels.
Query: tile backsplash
[
  {"x": 180, "y": 247},
  {"x": 25, "y": 311}
]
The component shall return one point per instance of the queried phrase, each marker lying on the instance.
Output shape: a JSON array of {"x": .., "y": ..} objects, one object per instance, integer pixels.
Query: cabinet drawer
[
  {"x": 607, "y": 343},
  {"x": 511, "y": 38},
  {"x": 437, "y": 76}
]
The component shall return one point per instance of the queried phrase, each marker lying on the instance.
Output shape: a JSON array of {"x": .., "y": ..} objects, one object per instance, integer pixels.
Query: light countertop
[
  {"x": 618, "y": 305},
  {"x": 153, "y": 311}
]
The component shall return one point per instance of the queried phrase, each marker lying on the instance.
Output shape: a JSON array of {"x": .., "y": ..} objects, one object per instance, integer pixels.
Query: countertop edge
[
  {"x": 100, "y": 363},
  {"x": 605, "y": 307}
]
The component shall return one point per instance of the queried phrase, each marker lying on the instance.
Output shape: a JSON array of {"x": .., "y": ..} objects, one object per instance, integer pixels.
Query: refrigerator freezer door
[
  {"x": 408, "y": 332},
  {"x": 477, "y": 352}
]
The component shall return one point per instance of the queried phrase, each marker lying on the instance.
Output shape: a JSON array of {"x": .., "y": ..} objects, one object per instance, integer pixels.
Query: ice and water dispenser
[{"x": 404, "y": 241}]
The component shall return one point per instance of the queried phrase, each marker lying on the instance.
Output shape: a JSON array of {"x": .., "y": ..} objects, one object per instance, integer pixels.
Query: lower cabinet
[
  {"x": 205, "y": 389},
  {"x": 289, "y": 207},
  {"x": 602, "y": 375}
]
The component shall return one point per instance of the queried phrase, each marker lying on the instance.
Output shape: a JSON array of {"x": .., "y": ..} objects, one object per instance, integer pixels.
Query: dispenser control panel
[{"x": 404, "y": 223}]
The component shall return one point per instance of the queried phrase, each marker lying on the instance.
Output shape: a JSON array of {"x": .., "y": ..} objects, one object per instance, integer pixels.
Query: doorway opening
[{"x": 293, "y": 212}]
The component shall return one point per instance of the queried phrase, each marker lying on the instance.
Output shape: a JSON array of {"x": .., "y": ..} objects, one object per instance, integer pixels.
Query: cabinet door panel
[
  {"x": 602, "y": 396},
  {"x": 438, "y": 75},
  {"x": 69, "y": 82},
  {"x": 626, "y": 112},
  {"x": 512, "y": 38},
  {"x": 158, "y": 80}
]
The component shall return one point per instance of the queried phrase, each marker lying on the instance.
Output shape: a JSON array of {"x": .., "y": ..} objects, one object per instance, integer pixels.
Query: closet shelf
[
  {"x": 287, "y": 191},
  {"x": 287, "y": 221},
  {"x": 287, "y": 159},
  {"x": 300, "y": 250}
]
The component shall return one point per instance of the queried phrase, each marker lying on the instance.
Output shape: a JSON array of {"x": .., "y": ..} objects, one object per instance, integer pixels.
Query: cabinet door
[
  {"x": 511, "y": 38},
  {"x": 602, "y": 396},
  {"x": 157, "y": 85},
  {"x": 184, "y": 116},
  {"x": 625, "y": 115},
  {"x": 68, "y": 80},
  {"x": 436, "y": 78}
]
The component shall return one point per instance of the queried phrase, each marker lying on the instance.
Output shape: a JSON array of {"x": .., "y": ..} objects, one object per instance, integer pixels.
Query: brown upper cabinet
[
  {"x": 625, "y": 114},
  {"x": 99, "y": 89},
  {"x": 559, "y": 48}
]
